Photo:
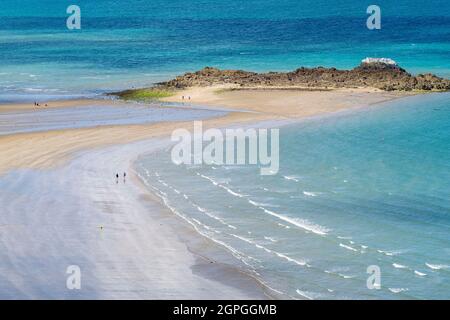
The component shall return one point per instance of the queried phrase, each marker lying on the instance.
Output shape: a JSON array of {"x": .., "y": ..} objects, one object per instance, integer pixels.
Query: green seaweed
[{"x": 145, "y": 94}]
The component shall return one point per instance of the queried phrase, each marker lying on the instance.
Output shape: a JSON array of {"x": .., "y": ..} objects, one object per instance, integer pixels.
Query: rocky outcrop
[{"x": 384, "y": 76}]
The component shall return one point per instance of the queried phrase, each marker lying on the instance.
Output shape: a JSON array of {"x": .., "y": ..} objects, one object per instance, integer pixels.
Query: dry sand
[
  {"x": 45, "y": 149},
  {"x": 284, "y": 102}
]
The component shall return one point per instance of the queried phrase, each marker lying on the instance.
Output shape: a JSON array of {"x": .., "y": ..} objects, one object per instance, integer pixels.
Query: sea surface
[
  {"x": 356, "y": 189},
  {"x": 124, "y": 44}
]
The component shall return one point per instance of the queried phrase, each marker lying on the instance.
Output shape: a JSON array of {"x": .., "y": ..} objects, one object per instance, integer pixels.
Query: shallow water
[
  {"x": 97, "y": 115},
  {"x": 356, "y": 189}
]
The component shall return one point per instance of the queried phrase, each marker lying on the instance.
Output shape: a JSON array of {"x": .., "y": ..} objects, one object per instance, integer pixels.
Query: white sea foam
[
  {"x": 390, "y": 253},
  {"x": 242, "y": 238},
  {"x": 270, "y": 239},
  {"x": 397, "y": 290},
  {"x": 239, "y": 255},
  {"x": 259, "y": 204},
  {"x": 345, "y": 276},
  {"x": 311, "y": 194},
  {"x": 274, "y": 290},
  {"x": 301, "y": 223},
  {"x": 34, "y": 89},
  {"x": 209, "y": 214},
  {"x": 234, "y": 193},
  {"x": 300, "y": 263},
  {"x": 399, "y": 266},
  {"x": 278, "y": 254},
  {"x": 163, "y": 182},
  {"x": 292, "y": 178},
  {"x": 208, "y": 178},
  {"x": 256, "y": 204},
  {"x": 347, "y": 247},
  {"x": 202, "y": 224},
  {"x": 335, "y": 272},
  {"x": 308, "y": 295},
  {"x": 420, "y": 274},
  {"x": 437, "y": 266}
]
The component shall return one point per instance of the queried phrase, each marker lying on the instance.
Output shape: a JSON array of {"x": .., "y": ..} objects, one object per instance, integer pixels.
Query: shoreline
[
  {"x": 213, "y": 252},
  {"x": 64, "y": 147}
]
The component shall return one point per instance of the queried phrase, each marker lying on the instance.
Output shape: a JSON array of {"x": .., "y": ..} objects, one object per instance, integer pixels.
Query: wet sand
[{"x": 48, "y": 148}]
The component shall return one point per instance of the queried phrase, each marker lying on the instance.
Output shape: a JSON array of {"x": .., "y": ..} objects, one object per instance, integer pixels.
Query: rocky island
[{"x": 378, "y": 73}]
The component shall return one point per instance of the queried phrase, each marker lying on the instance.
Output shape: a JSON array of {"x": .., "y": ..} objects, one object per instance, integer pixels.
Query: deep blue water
[
  {"x": 357, "y": 189},
  {"x": 135, "y": 43}
]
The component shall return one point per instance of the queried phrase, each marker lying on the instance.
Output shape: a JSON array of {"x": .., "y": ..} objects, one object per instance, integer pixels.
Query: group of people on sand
[
  {"x": 124, "y": 177},
  {"x": 189, "y": 97},
  {"x": 36, "y": 104}
]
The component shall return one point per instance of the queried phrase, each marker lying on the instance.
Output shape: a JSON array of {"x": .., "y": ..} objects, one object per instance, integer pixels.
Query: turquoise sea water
[
  {"x": 136, "y": 43},
  {"x": 361, "y": 188}
]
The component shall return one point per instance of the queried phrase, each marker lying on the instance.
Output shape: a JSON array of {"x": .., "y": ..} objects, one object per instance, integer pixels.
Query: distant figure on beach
[
  {"x": 124, "y": 177},
  {"x": 117, "y": 178},
  {"x": 189, "y": 97},
  {"x": 182, "y": 97}
]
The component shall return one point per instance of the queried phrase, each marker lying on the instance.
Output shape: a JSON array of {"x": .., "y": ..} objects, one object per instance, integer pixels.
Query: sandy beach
[
  {"x": 130, "y": 245},
  {"x": 48, "y": 148}
]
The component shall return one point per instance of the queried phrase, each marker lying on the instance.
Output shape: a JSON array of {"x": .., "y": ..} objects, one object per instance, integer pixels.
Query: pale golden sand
[
  {"x": 284, "y": 103},
  {"x": 45, "y": 149}
]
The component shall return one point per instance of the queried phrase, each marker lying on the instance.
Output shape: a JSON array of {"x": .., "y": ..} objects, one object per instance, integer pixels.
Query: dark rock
[{"x": 389, "y": 77}]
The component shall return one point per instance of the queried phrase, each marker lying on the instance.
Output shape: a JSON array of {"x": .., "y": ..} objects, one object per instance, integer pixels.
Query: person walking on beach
[
  {"x": 124, "y": 177},
  {"x": 117, "y": 178}
]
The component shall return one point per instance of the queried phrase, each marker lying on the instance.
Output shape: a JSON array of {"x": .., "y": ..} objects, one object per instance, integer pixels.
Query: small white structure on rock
[{"x": 380, "y": 60}]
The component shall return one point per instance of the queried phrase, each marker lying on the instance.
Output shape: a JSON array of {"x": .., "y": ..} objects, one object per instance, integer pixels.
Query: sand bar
[{"x": 61, "y": 206}]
